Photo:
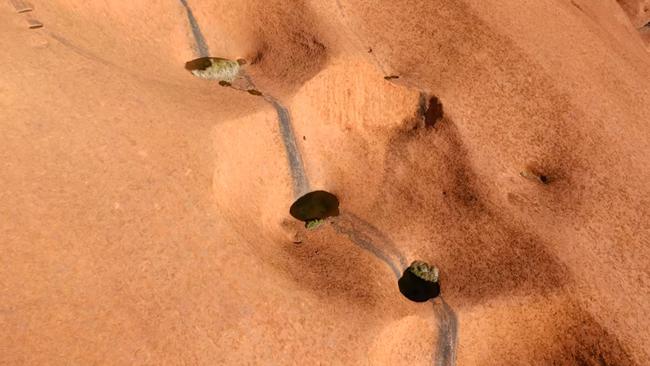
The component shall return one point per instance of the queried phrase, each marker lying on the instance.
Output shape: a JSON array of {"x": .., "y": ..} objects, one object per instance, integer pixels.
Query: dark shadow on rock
[
  {"x": 482, "y": 256},
  {"x": 433, "y": 113},
  {"x": 587, "y": 343}
]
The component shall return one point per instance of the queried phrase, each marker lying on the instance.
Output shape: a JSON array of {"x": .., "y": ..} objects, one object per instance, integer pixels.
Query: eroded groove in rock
[
  {"x": 299, "y": 178},
  {"x": 364, "y": 235},
  {"x": 200, "y": 44},
  {"x": 445, "y": 352}
]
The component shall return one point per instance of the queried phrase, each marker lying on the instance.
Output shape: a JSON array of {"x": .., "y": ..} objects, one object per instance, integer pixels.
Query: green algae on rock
[
  {"x": 314, "y": 224},
  {"x": 214, "y": 68}
]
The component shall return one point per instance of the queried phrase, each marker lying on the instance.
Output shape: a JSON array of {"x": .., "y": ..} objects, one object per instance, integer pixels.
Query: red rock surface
[
  {"x": 637, "y": 10},
  {"x": 144, "y": 212}
]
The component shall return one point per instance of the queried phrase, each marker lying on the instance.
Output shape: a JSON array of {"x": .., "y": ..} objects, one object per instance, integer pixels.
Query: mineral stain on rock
[{"x": 254, "y": 92}]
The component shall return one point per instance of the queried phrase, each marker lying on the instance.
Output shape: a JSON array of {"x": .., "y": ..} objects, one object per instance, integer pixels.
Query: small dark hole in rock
[
  {"x": 418, "y": 285},
  {"x": 313, "y": 206},
  {"x": 534, "y": 175},
  {"x": 200, "y": 63},
  {"x": 390, "y": 77},
  {"x": 304, "y": 138},
  {"x": 433, "y": 113},
  {"x": 257, "y": 58}
]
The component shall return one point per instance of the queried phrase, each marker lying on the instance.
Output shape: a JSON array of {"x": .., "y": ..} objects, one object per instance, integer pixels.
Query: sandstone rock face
[
  {"x": 637, "y": 10},
  {"x": 144, "y": 213}
]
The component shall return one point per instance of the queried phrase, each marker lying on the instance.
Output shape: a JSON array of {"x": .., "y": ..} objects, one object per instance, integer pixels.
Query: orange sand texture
[{"x": 144, "y": 213}]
